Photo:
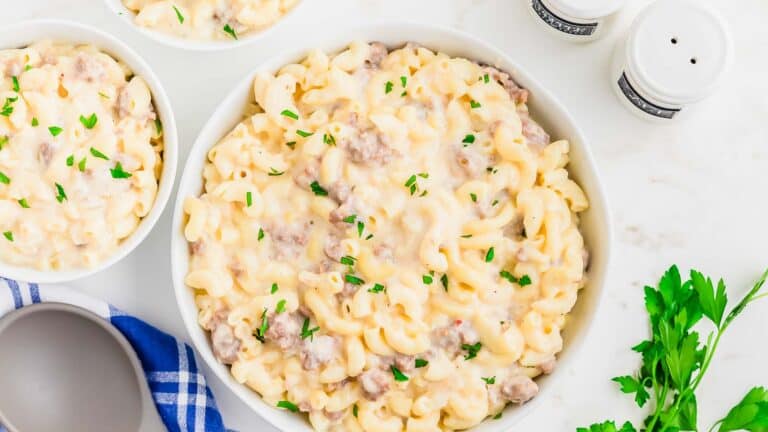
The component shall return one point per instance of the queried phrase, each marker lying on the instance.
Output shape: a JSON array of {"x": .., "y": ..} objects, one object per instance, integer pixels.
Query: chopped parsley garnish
[
  {"x": 23, "y": 203},
  {"x": 81, "y": 164},
  {"x": 8, "y": 236},
  {"x": 70, "y": 160},
  {"x": 350, "y": 219},
  {"x": 469, "y": 139},
  {"x": 230, "y": 31},
  {"x": 486, "y": 79},
  {"x": 288, "y": 405},
  {"x": 60, "y": 194},
  {"x": 55, "y": 130},
  {"x": 369, "y": 236},
  {"x": 35, "y": 122},
  {"x": 307, "y": 332},
  {"x": 274, "y": 173},
  {"x": 118, "y": 172},
  {"x": 317, "y": 189},
  {"x": 471, "y": 350},
  {"x": 492, "y": 170},
  {"x": 329, "y": 139},
  {"x": 158, "y": 126},
  {"x": 522, "y": 281},
  {"x": 354, "y": 280},
  {"x": 291, "y": 144},
  {"x": 494, "y": 202},
  {"x": 399, "y": 376},
  {"x": 347, "y": 260},
  {"x": 474, "y": 104},
  {"x": 4, "y": 178},
  {"x": 490, "y": 254},
  {"x": 427, "y": 279},
  {"x": 498, "y": 416},
  {"x": 274, "y": 288},
  {"x": 354, "y": 410},
  {"x": 473, "y": 196},
  {"x": 98, "y": 154},
  {"x": 388, "y": 87},
  {"x": 420, "y": 363},
  {"x": 303, "y": 134},
  {"x": 3, "y": 141},
  {"x": 412, "y": 184},
  {"x": 179, "y": 16},
  {"x": 377, "y": 288},
  {"x": 262, "y": 330},
  {"x": 289, "y": 114},
  {"x": 27, "y": 68},
  {"x": 7, "y": 109},
  {"x": 107, "y": 97},
  {"x": 15, "y": 80},
  {"x": 404, "y": 80},
  {"x": 280, "y": 308},
  {"x": 249, "y": 199},
  {"x": 360, "y": 228},
  {"x": 491, "y": 380},
  {"x": 89, "y": 122},
  {"x": 261, "y": 234},
  {"x": 466, "y": 236},
  {"x": 444, "y": 281}
]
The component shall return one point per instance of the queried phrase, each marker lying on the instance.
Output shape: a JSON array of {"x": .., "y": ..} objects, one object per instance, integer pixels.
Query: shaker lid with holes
[
  {"x": 587, "y": 9},
  {"x": 679, "y": 50}
]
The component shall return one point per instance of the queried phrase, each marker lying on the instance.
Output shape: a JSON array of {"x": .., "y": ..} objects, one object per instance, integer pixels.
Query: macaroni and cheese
[
  {"x": 387, "y": 242},
  {"x": 209, "y": 19},
  {"x": 80, "y": 155}
]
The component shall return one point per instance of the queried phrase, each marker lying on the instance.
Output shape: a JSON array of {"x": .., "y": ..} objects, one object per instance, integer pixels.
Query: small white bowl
[
  {"x": 128, "y": 16},
  {"x": 595, "y": 223},
  {"x": 25, "y": 33}
]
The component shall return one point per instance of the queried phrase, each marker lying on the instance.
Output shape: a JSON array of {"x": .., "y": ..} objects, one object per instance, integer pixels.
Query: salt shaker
[
  {"x": 675, "y": 54},
  {"x": 575, "y": 20}
]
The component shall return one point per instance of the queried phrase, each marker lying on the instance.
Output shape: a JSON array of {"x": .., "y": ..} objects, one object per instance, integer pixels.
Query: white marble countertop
[{"x": 695, "y": 193}]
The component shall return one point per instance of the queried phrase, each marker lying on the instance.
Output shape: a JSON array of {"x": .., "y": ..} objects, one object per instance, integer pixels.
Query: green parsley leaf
[
  {"x": 377, "y": 288},
  {"x": 261, "y": 234},
  {"x": 471, "y": 350},
  {"x": 15, "y": 80},
  {"x": 329, "y": 139},
  {"x": 3, "y": 141},
  {"x": 360, "y": 228},
  {"x": 8, "y": 236},
  {"x": 4, "y": 179},
  {"x": 411, "y": 180},
  {"x": 486, "y": 78},
  {"x": 248, "y": 199},
  {"x": 420, "y": 363},
  {"x": 493, "y": 204},
  {"x": 70, "y": 160},
  {"x": 290, "y": 114},
  {"x": 498, "y": 416},
  {"x": 307, "y": 332},
  {"x": 262, "y": 330},
  {"x": 23, "y": 203},
  {"x": 608, "y": 426},
  {"x": 55, "y": 130},
  {"x": 61, "y": 195},
  {"x": 179, "y": 16},
  {"x": 524, "y": 280},
  {"x": 291, "y": 144},
  {"x": 27, "y": 68},
  {"x": 444, "y": 281},
  {"x": 490, "y": 380},
  {"x": 712, "y": 301},
  {"x": 35, "y": 122},
  {"x": 631, "y": 385},
  {"x": 317, "y": 189},
  {"x": 288, "y": 405},
  {"x": 473, "y": 196},
  {"x": 107, "y": 97},
  {"x": 280, "y": 308},
  {"x": 158, "y": 126},
  {"x": 369, "y": 236},
  {"x": 81, "y": 164},
  {"x": 469, "y": 139},
  {"x": 404, "y": 80},
  {"x": 274, "y": 288},
  {"x": 350, "y": 219},
  {"x": 354, "y": 410},
  {"x": 399, "y": 376},
  {"x": 274, "y": 173},
  {"x": 354, "y": 280},
  {"x": 230, "y": 31},
  {"x": 7, "y": 108},
  {"x": 388, "y": 87},
  {"x": 347, "y": 260},
  {"x": 490, "y": 254},
  {"x": 750, "y": 414},
  {"x": 304, "y": 134},
  {"x": 118, "y": 172},
  {"x": 427, "y": 279},
  {"x": 474, "y": 104},
  {"x": 89, "y": 122},
  {"x": 466, "y": 236},
  {"x": 98, "y": 154}
]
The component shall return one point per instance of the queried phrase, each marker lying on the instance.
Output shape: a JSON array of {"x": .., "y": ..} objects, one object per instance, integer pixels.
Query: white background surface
[{"x": 695, "y": 193}]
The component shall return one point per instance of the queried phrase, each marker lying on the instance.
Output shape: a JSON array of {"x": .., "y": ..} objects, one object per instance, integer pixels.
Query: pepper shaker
[
  {"x": 675, "y": 54},
  {"x": 575, "y": 20}
]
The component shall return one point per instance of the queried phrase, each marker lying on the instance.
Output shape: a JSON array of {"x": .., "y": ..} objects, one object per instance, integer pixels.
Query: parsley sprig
[{"x": 675, "y": 360}]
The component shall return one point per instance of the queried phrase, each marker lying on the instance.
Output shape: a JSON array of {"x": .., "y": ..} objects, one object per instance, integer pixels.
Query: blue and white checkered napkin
[{"x": 183, "y": 400}]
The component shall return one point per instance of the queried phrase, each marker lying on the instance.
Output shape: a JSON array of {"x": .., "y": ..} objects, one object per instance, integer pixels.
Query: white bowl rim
[
  {"x": 179, "y": 247},
  {"x": 127, "y": 15},
  {"x": 69, "y": 31}
]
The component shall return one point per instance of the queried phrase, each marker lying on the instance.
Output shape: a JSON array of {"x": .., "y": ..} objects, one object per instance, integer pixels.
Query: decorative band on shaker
[
  {"x": 561, "y": 24},
  {"x": 642, "y": 103}
]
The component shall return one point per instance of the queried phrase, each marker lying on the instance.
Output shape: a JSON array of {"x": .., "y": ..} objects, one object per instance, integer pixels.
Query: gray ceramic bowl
[{"x": 63, "y": 368}]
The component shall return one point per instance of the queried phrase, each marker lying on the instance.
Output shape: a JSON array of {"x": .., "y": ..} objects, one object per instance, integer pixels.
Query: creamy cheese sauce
[{"x": 387, "y": 242}]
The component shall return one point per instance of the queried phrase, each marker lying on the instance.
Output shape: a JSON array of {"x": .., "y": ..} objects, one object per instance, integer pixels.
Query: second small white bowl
[{"x": 25, "y": 33}]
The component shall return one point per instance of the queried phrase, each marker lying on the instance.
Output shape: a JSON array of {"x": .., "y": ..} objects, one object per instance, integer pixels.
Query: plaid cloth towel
[{"x": 183, "y": 400}]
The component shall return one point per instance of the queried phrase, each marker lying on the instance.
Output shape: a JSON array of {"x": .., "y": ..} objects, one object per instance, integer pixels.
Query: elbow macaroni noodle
[
  {"x": 209, "y": 19},
  {"x": 80, "y": 155},
  {"x": 391, "y": 240}
]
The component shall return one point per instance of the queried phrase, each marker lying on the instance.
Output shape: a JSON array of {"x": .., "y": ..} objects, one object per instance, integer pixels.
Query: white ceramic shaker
[
  {"x": 676, "y": 53},
  {"x": 575, "y": 20}
]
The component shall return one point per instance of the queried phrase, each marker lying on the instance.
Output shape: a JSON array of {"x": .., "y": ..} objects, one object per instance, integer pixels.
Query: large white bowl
[
  {"x": 129, "y": 16},
  {"x": 596, "y": 224},
  {"x": 25, "y": 33}
]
